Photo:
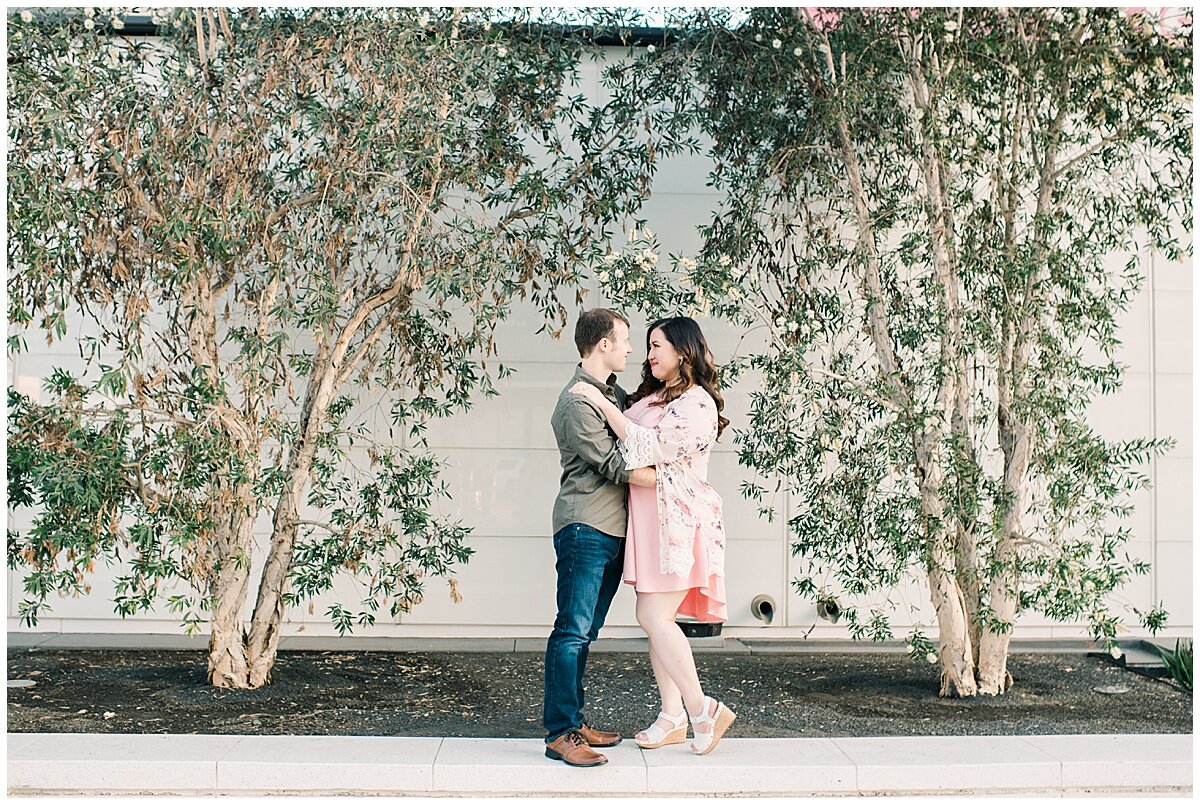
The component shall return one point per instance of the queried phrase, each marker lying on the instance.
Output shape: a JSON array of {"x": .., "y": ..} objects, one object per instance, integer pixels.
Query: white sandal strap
[
  {"x": 702, "y": 739},
  {"x": 704, "y": 717},
  {"x": 655, "y": 733}
]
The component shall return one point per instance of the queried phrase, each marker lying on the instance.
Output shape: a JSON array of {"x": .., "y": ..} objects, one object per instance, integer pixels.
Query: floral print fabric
[{"x": 678, "y": 448}]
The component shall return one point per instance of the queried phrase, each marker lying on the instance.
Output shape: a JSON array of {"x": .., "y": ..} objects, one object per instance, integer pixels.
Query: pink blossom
[
  {"x": 1166, "y": 19},
  {"x": 823, "y": 18}
]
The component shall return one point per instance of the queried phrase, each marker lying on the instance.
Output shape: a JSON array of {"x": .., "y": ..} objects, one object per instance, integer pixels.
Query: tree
[
  {"x": 919, "y": 204},
  {"x": 277, "y": 220}
]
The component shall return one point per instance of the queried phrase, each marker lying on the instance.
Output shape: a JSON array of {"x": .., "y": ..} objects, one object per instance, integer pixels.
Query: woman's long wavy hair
[{"x": 696, "y": 369}]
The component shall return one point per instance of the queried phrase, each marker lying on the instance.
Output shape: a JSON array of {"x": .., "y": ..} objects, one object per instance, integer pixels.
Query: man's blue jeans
[{"x": 589, "y": 565}]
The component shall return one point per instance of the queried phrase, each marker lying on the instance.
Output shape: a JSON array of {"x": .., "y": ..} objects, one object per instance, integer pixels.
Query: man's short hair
[{"x": 593, "y": 326}]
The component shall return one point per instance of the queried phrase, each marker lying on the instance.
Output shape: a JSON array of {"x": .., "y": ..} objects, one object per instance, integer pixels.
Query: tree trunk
[
  {"x": 227, "y": 640},
  {"x": 263, "y": 642},
  {"x": 234, "y": 541},
  {"x": 234, "y": 509},
  {"x": 1015, "y": 433},
  {"x": 953, "y": 580},
  {"x": 331, "y": 369},
  {"x": 1015, "y": 443},
  {"x": 955, "y": 652}
]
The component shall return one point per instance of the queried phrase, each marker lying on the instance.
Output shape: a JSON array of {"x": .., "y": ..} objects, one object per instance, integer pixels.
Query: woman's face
[{"x": 663, "y": 359}]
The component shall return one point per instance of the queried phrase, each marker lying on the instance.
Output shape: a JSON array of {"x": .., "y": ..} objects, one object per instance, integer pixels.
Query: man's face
[{"x": 617, "y": 349}]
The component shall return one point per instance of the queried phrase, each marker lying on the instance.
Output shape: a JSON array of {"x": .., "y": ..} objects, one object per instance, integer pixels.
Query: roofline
[{"x": 143, "y": 25}]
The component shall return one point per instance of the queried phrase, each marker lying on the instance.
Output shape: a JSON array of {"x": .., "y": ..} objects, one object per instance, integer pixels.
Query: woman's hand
[
  {"x": 590, "y": 392},
  {"x": 611, "y": 413}
]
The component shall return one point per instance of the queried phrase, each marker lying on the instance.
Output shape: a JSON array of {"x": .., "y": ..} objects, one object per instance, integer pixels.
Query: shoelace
[{"x": 577, "y": 739}]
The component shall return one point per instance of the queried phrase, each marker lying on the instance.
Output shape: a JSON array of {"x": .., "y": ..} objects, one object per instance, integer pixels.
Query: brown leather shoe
[
  {"x": 595, "y": 737},
  {"x": 573, "y": 750}
]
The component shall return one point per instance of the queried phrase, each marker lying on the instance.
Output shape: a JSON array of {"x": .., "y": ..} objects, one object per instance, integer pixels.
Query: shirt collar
[{"x": 608, "y": 386}]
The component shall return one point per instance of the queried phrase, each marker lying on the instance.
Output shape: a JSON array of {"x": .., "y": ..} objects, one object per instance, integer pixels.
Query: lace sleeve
[{"x": 639, "y": 448}]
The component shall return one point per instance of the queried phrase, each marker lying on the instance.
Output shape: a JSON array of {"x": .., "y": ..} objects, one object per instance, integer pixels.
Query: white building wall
[{"x": 502, "y": 469}]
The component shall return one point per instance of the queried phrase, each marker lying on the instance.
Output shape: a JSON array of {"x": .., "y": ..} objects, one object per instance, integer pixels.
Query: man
[{"x": 590, "y": 516}]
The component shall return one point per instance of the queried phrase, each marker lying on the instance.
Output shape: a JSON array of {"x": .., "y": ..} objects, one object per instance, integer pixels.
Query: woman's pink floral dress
[{"x": 676, "y": 536}]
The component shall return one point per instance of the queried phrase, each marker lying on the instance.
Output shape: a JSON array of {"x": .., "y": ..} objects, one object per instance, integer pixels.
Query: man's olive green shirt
[{"x": 594, "y": 477}]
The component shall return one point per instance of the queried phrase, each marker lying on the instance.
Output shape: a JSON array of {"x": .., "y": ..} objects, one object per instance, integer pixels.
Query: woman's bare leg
[
  {"x": 656, "y": 615},
  {"x": 672, "y": 700}
]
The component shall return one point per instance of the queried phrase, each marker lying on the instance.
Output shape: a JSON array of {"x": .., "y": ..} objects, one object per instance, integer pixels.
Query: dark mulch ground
[{"x": 500, "y": 695}]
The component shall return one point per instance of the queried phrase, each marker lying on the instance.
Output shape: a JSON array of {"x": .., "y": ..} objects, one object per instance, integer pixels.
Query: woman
[{"x": 675, "y": 544}]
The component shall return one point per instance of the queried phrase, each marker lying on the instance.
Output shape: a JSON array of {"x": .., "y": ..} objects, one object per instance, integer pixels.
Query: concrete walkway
[{"x": 1052, "y": 765}]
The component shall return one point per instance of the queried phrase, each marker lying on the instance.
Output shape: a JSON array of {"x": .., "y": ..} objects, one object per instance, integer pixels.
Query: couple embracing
[{"x": 634, "y": 505}]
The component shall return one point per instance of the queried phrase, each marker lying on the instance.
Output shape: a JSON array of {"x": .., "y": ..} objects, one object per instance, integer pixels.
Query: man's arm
[
  {"x": 642, "y": 476},
  {"x": 585, "y": 433}
]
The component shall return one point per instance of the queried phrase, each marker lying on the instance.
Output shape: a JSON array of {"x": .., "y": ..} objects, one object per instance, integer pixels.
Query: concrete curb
[
  {"x": 95, "y": 641},
  {"x": 71, "y": 763}
]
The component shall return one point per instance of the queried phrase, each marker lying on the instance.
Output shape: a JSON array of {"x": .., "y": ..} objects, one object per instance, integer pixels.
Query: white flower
[
  {"x": 775, "y": 43},
  {"x": 758, "y": 37},
  {"x": 976, "y": 77},
  {"x": 487, "y": 26},
  {"x": 611, "y": 257},
  {"x": 792, "y": 327},
  {"x": 648, "y": 257},
  {"x": 723, "y": 260},
  {"x": 650, "y": 48},
  {"x": 62, "y": 225},
  {"x": 951, "y": 25},
  {"x": 687, "y": 263},
  {"x": 602, "y": 276},
  {"x": 1115, "y": 651},
  {"x": 641, "y": 281},
  {"x": 89, "y": 12},
  {"x": 189, "y": 71},
  {"x": 114, "y": 55},
  {"x": 931, "y": 658},
  {"x": 26, "y": 16},
  {"x": 647, "y": 234},
  {"x": 245, "y": 26},
  {"x": 796, "y": 52},
  {"x": 117, "y": 23},
  {"x": 948, "y": 38},
  {"x": 1054, "y": 36},
  {"x": 502, "y": 51},
  {"x": 618, "y": 273},
  {"x": 423, "y": 21},
  {"x": 735, "y": 294},
  {"x": 88, "y": 24}
]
